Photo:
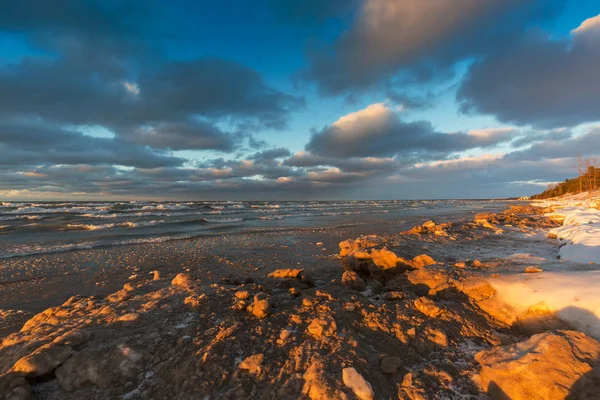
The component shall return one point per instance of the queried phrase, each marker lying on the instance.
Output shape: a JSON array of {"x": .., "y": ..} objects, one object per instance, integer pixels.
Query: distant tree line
[{"x": 587, "y": 180}]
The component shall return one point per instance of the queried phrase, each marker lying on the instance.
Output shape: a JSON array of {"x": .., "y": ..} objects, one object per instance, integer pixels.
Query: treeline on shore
[{"x": 588, "y": 180}]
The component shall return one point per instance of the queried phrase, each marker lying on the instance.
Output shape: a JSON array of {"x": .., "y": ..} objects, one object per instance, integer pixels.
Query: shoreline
[{"x": 400, "y": 310}]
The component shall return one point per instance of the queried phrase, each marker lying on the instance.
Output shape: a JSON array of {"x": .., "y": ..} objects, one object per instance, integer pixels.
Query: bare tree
[
  {"x": 595, "y": 166},
  {"x": 580, "y": 171},
  {"x": 587, "y": 165}
]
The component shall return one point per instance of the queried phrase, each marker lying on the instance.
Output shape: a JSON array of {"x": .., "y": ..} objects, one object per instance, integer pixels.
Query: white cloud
[{"x": 132, "y": 88}]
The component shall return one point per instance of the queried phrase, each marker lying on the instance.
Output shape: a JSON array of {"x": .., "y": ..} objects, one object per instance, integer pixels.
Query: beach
[{"x": 409, "y": 304}]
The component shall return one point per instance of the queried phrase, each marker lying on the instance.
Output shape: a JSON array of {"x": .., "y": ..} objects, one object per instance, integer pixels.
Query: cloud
[
  {"x": 37, "y": 144},
  {"x": 541, "y": 81},
  {"x": 585, "y": 145},
  {"x": 269, "y": 155},
  {"x": 378, "y": 131},
  {"x": 181, "y": 136},
  {"x": 426, "y": 37},
  {"x": 99, "y": 63}
]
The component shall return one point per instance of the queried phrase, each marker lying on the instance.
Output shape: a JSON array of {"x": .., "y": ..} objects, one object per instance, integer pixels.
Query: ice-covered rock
[{"x": 549, "y": 366}]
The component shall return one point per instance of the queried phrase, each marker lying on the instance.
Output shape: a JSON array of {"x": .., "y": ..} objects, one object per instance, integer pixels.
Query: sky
[{"x": 295, "y": 99}]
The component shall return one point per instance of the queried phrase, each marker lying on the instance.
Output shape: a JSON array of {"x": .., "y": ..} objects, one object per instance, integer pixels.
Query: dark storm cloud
[
  {"x": 378, "y": 131},
  {"x": 535, "y": 136},
  {"x": 421, "y": 37},
  {"x": 269, "y": 155},
  {"x": 29, "y": 144},
  {"x": 368, "y": 164},
  {"x": 585, "y": 145},
  {"x": 98, "y": 63},
  {"x": 541, "y": 81},
  {"x": 209, "y": 87},
  {"x": 182, "y": 136}
]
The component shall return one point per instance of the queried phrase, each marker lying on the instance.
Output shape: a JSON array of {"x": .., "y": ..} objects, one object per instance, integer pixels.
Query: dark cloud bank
[{"x": 95, "y": 66}]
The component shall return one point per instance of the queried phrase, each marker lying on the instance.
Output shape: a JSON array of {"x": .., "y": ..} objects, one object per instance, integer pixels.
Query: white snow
[
  {"x": 573, "y": 295},
  {"x": 570, "y": 287},
  {"x": 580, "y": 233}
]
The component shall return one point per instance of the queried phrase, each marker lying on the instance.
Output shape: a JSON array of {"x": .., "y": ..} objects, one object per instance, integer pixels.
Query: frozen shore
[
  {"x": 442, "y": 310},
  {"x": 570, "y": 279}
]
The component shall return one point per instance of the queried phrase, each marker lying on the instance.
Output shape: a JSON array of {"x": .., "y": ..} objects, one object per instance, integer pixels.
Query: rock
[
  {"x": 74, "y": 337},
  {"x": 435, "y": 336},
  {"x": 182, "y": 279},
  {"x": 374, "y": 260},
  {"x": 421, "y": 261},
  {"x": 348, "y": 246},
  {"x": 353, "y": 281},
  {"x": 294, "y": 292},
  {"x": 323, "y": 327},
  {"x": 102, "y": 367},
  {"x": 261, "y": 306},
  {"x": 286, "y": 273},
  {"x": 533, "y": 269},
  {"x": 551, "y": 365},
  {"x": 306, "y": 279},
  {"x": 430, "y": 280},
  {"x": 242, "y": 294},
  {"x": 194, "y": 300},
  {"x": 476, "y": 263},
  {"x": 285, "y": 333},
  {"x": 316, "y": 387},
  {"x": 394, "y": 296},
  {"x": 353, "y": 380},
  {"x": 477, "y": 289},
  {"x": 252, "y": 364},
  {"x": 427, "y": 307},
  {"x": 14, "y": 386},
  {"x": 130, "y": 317},
  {"x": 43, "y": 360},
  {"x": 412, "y": 392},
  {"x": 155, "y": 275},
  {"x": 429, "y": 225},
  {"x": 460, "y": 264},
  {"x": 389, "y": 365}
]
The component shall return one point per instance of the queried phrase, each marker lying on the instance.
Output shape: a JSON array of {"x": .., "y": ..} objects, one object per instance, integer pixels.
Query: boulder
[
  {"x": 316, "y": 386},
  {"x": 353, "y": 281},
  {"x": 552, "y": 365},
  {"x": 355, "y": 381},
  {"x": 242, "y": 294},
  {"x": 389, "y": 365},
  {"x": 322, "y": 327},
  {"x": 286, "y": 273},
  {"x": 102, "y": 367},
  {"x": 14, "y": 386},
  {"x": 427, "y": 307},
  {"x": 252, "y": 364},
  {"x": 422, "y": 261},
  {"x": 430, "y": 280},
  {"x": 182, "y": 279},
  {"x": 44, "y": 360},
  {"x": 261, "y": 306}
]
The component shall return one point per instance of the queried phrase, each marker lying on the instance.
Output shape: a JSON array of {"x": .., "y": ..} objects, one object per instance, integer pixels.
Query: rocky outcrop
[
  {"x": 549, "y": 366},
  {"x": 352, "y": 280}
]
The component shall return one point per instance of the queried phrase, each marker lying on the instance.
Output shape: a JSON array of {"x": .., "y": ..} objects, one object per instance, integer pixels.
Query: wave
[
  {"x": 223, "y": 220},
  {"x": 126, "y": 224},
  {"x": 17, "y": 217}
]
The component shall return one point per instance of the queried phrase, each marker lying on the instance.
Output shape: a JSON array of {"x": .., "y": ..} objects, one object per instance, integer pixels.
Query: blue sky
[{"x": 297, "y": 99}]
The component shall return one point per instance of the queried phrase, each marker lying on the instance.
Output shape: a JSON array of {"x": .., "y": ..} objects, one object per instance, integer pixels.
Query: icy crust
[{"x": 580, "y": 233}]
